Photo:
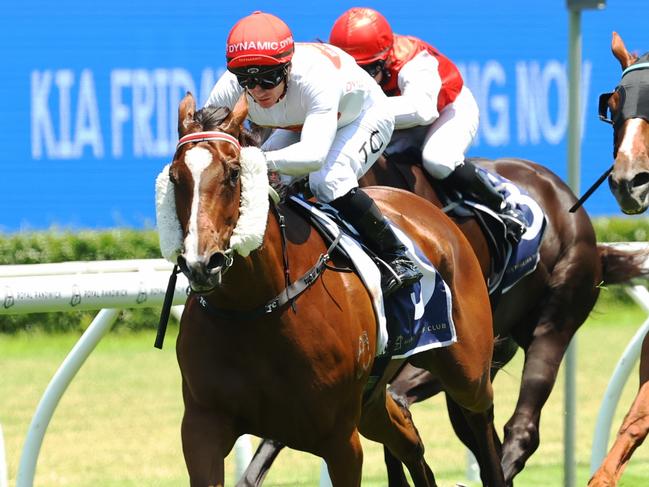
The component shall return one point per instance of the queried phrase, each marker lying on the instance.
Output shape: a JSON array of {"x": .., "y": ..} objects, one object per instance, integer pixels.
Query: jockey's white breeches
[{"x": 444, "y": 142}]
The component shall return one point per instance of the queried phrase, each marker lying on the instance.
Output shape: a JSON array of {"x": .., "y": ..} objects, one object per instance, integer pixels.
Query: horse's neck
[
  {"x": 257, "y": 277},
  {"x": 261, "y": 276}
]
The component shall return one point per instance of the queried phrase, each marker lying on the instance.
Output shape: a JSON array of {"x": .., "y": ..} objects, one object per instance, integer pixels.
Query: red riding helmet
[
  {"x": 364, "y": 33},
  {"x": 259, "y": 40}
]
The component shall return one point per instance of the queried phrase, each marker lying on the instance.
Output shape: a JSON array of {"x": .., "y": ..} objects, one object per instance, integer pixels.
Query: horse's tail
[{"x": 620, "y": 265}]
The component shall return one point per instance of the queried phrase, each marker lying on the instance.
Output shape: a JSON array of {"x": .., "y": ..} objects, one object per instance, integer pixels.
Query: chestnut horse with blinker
[
  {"x": 297, "y": 374},
  {"x": 629, "y": 183}
]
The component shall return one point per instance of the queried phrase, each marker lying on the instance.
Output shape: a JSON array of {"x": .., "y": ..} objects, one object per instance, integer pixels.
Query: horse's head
[
  {"x": 629, "y": 114},
  {"x": 204, "y": 214}
]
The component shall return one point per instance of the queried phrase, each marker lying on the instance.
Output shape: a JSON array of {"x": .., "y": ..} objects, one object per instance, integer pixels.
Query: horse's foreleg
[
  {"x": 631, "y": 434},
  {"x": 542, "y": 359},
  {"x": 461, "y": 427},
  {"x": 388, "y": 421},
  {"x": 207, "y": 438},
  {"x": 344, "y": 458},
  {"x": 260, "y": 464}
]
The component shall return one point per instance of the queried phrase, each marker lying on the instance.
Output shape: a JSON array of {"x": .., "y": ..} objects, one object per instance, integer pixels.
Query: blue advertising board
[{"x": 89, "y": 90}]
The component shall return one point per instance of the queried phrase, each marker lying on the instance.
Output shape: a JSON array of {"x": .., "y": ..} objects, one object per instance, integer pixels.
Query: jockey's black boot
[
  {"x": 357, "y": 208},
  {"x": 468, "y": 180}
]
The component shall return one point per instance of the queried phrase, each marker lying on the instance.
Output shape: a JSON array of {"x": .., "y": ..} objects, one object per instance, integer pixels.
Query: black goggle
[
  {"x": 374, "y": 68},
  {"x": 267, "y": 80}
]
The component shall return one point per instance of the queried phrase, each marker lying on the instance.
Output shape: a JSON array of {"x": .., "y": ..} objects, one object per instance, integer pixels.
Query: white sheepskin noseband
[
  {"x": 253, "y": 211},
  {"x": 253, "y": 207},
  {"x": 169, "y": 231}
]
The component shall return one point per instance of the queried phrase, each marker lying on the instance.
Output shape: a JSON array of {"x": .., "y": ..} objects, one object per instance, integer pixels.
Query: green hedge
[
  {"x": 57, "y": 246},
  {"x": 631, "y": 229}
]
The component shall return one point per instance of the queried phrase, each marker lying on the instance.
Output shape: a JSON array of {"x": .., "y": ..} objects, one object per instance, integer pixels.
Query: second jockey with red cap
[
  {"x": 428, "y": 97},
  {"x": 331, "y": 121}
]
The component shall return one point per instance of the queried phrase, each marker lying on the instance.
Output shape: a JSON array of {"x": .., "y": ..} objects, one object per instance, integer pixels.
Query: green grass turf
[{"x": 118, "y": 424}]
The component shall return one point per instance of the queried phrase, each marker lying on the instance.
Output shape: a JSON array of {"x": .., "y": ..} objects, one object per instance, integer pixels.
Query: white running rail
[{"x": 108, "y": 286}]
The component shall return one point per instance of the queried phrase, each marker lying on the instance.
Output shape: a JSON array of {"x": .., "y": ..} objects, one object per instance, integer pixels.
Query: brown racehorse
[
  {"x": 252, "y": 363},
  {"x": 540, "y": 314},
  {"x": 629, "y": 183}
]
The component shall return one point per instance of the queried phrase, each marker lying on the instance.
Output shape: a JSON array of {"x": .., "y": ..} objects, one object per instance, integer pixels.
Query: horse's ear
[
  {"x": 620, "y": 52},
  {"x": 232, "y": 124},
  {"x": 186, "y": 111}
]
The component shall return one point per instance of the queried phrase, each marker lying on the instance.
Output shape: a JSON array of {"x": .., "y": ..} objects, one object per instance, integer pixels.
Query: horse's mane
[{"x": 210, "y": 118}]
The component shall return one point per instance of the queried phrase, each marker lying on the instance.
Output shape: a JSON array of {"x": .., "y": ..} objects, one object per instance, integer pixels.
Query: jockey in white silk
[
  {"x": 325, "y": 91},
  {"x": 332, "y": 122}
]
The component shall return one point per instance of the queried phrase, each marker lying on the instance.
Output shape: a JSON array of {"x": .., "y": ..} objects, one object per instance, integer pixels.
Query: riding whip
[{"x": 590, "y": 191}]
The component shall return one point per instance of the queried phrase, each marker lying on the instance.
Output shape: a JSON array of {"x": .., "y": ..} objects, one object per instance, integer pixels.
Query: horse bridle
[
  {"x": 213, "y": 136},
  {"x": 633, "y": 91},
  {"x": 210, "y": 135}
]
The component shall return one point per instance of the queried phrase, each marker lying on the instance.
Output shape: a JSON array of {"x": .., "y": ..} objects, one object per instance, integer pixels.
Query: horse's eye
[{"x": 234, "y": 175}]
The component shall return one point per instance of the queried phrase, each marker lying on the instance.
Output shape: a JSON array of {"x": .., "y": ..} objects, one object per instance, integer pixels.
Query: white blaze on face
[
  {"x": 633, "y": 127},
  {"x": 197, "y": 160}
]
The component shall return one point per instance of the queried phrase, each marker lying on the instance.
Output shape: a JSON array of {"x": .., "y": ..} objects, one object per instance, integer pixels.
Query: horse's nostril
[
  {"x": 216, "y": 260},
  {"x": 640, "y": 179}
]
